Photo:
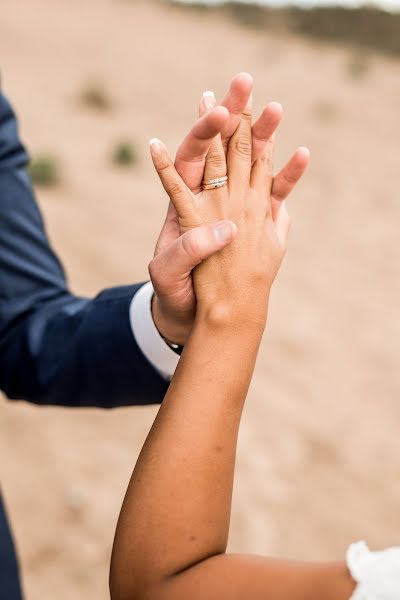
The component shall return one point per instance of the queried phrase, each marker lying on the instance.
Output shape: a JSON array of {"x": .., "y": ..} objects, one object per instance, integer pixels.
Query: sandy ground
[{"x": 319, "y": 456}]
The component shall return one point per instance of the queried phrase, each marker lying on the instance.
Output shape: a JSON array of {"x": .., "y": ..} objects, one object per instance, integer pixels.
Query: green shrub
[
  {"x": 124, "y": 154},
  {"x": 44, "y": 170},
  {"x": 358, "y": 66},
  {"x": 95, "y": 96},
  {"x": 324, "y": 110}
]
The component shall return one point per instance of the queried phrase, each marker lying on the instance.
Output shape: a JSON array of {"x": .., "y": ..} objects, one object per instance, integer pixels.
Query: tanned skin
[{"x": 172, "y": 533}]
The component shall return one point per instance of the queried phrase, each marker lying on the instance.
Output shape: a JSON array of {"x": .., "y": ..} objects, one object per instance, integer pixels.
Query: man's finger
[
  {"x": 190, "y": 249},
  {"x": 236, "y": 101},
  {"x": 264, "y": 127},
  {"x": 282, "y": 224},
  {"x": 239, "y": 149},
  {"x": 190, "y": 158},
  {"x": 170, "y": 231},
  {"x": 288, "y": 177}
]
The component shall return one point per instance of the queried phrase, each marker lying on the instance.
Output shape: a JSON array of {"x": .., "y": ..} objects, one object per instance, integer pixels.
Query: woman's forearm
[
  {"x": 173, "y": 528},
  {"x": 177, "y": 508}
]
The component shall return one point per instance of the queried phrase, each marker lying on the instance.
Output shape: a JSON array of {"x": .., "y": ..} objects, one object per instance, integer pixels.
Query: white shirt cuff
[{"x": 150, "y": 342}]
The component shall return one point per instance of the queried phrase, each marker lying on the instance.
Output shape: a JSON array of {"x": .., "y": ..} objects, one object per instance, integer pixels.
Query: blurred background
[{"x": 319, "y": 456}]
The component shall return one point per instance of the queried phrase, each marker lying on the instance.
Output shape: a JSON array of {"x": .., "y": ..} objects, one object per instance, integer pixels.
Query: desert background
[{"x": 319, "y": 455}]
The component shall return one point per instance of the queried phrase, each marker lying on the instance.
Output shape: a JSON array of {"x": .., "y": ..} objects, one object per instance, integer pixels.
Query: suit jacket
[{"x": 55, "y": 347}]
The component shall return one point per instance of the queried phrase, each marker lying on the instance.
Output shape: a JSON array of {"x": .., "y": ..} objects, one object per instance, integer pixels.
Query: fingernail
[
  {"x": 155, "y": 144},
  {"x": 276, "y": 105},
  {"x": 223, "y": 231},
  {"x": 304, "y": 150},
  {"x": 209, "y": 100}
]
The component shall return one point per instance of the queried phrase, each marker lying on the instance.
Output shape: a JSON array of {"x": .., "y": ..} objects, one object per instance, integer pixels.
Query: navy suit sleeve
[{"x": 57, "y": 348}]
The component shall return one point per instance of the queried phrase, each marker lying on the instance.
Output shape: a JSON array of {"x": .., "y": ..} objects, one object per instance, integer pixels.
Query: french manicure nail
[
  {"x": 209, "y": 100},
  {"x": 155, "y": 144}
]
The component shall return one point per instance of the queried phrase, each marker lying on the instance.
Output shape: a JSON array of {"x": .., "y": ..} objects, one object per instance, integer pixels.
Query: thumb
[
  {"x": 176, "y": 262},
  {"x": 204, "y": 241}
]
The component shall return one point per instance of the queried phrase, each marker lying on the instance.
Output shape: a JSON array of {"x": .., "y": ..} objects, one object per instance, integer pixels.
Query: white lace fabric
[{"x": 376, "y": 573}]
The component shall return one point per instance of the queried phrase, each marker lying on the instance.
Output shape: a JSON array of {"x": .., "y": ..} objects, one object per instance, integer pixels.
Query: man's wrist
[
  {"x": 173, "y": 332},
  {"x": 161, "y": 356}
]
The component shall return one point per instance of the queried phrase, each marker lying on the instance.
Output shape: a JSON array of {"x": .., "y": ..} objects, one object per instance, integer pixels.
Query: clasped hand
[{"x": 250, "y": 225}]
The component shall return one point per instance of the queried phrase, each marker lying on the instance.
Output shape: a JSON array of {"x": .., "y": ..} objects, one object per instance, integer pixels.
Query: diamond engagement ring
[{"x": 213, "y": 184}]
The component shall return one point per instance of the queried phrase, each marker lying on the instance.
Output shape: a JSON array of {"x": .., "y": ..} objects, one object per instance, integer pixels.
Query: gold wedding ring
[{"x": 213, "y": 184}]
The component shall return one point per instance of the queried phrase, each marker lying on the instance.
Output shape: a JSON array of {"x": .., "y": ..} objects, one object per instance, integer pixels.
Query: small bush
[
  {"x": 324, "y": 110},
  {"x": 358, "y": 66},
  {"x": 124, "y": 154},
  {"x": 95, "y": 96},
  {"x": 44, "y": 171}
]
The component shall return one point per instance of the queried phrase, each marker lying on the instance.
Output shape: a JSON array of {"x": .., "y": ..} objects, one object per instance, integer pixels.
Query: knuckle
[
  {"x": 289, "y": 179},
  {"x": 153, "y": 269},
  {"x": 268, "y": 164},
  {"x": 216, "y": 159},
  {"x": 163, "y": 164},
  {"x": 242, "y": 146},
  {"x": 175, "y": 188},
  {"x": 160, "y": 276},
  {"x": 277, "y": 194},
  {"x": 190, "y": 244},
  {"x": 247, "y": 115}
]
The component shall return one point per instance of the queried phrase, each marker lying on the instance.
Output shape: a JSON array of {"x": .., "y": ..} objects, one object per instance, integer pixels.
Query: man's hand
[
  {"x": 174, "y": 302},
  {"x": 176, "y": 255}
]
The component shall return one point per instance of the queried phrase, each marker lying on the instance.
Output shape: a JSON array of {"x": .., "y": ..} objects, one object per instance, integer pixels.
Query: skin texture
[
  {"x": 172, "y": 533},
  {"x": 174, "y": 304}
]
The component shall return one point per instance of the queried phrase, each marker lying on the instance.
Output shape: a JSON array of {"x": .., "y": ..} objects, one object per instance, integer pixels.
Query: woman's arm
[{"x": 173, "y": 528}]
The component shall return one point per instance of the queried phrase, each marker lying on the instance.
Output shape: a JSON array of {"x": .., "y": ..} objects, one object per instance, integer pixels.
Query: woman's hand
[
  {"x": 233, "y": 284},
  {"x": 174, "y": 303}
]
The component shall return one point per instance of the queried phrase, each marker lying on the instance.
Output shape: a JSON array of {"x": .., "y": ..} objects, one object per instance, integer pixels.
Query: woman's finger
[
  {"x": 190, "y": 158},
  {"x": 264, "y": 127},
  {"x": 240, "y": 149},
  {"x": 173, "y": 184},
  {"x": 215, "y": 161},
  {"x": 236, "y": 101},
  {"x": 215, "y": 164},
  {"x": 288, "y": 177}
]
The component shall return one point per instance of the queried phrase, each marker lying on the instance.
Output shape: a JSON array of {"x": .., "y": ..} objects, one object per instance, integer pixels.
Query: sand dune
[{"x": 319, "y": 456}]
